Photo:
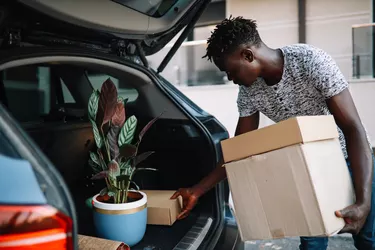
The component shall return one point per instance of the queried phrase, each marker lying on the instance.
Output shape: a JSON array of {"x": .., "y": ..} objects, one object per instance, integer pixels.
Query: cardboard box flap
[{"x": 296, "y": 130}]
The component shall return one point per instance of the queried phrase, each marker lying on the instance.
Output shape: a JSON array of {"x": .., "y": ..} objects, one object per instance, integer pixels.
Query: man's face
[{"x": 240, "y": 66}]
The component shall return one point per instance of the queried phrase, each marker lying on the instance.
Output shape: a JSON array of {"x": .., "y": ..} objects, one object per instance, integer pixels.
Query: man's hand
[
  {"x": 190, "y": 198},
  {"x": 355, "y": 217}
]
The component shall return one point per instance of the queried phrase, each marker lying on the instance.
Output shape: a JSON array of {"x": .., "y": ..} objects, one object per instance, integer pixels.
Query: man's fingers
[
  {"x": 183, "y": 214},
  {"x": 175, "y": 195},
  {"x": 346, "y": 212},
  {"x": 349, "y": 228}
]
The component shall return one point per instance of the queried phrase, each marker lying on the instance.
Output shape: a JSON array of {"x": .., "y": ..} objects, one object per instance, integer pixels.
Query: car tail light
[{"x": 34, "y": 227}]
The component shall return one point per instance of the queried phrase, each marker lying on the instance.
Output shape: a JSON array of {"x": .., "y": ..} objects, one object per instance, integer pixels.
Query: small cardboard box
[
  {"x": 288, "y": 179},
  {"x": 161, "y": 210}
]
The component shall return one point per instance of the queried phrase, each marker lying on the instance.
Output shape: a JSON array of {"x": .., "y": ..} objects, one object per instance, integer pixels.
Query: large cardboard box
[
  {"x": 161, "y": 210},
  {"x": 288, "y": 179}
]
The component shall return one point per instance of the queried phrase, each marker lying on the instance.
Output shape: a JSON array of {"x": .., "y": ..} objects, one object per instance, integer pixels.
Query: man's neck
[{"x": 272, "y": 63}]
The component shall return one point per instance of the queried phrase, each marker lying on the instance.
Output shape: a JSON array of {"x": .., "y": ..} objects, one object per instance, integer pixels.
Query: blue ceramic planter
[{"x": 121, "y": 222}]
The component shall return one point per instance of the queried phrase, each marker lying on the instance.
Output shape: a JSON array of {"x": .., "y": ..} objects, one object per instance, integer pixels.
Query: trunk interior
[{"x": 50, "y": 102}]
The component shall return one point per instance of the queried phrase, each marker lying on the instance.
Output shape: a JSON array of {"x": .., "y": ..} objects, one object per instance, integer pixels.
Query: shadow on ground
[{"x": 335, "y": 243}]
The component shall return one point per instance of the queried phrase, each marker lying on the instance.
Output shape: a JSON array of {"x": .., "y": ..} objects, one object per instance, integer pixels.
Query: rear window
[
  {"x": 124, "y": 89},
  {"x": 154, "y": 8}
]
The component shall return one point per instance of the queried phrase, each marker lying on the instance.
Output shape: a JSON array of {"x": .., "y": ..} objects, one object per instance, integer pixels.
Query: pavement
[{"x": 342, "y": 242}]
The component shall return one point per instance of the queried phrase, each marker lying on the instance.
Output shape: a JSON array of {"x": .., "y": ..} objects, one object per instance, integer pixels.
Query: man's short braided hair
[{"x": 229, "y": 34}]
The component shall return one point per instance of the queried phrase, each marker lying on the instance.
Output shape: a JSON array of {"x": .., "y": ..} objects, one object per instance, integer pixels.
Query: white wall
[
  {"x": 329, "y": 26},
  {"x": 328, "y": 23},
  {"x": 363, "y": 93},
  {"x": 277, "y": 19},
  {"x": 221, "y": 102}
]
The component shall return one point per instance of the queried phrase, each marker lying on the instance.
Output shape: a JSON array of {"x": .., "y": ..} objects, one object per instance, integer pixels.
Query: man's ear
[{"x": 248, "y": 55}]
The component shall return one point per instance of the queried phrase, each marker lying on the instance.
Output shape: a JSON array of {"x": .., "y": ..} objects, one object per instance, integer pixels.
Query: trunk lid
[{"x": 126, "y": 27}]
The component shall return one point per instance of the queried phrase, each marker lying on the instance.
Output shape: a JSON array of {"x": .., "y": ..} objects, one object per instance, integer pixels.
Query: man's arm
[
  {"x": 360, "y": 157},
  {"x": 191, "y": 195},
  {"x": 244, "y": 125}
]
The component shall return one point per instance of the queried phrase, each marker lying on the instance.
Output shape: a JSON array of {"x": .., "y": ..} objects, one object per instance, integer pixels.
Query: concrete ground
[{"x": 342, "y": 242}]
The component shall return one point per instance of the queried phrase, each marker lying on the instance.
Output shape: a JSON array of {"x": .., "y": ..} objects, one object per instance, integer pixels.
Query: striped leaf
[
  {"x": 95, "y": 167},
  {"x": 125, "y": 165},
  {"x": 93, "y": 105},
  {"x": 127, "y": 131},
  {"x": 97, "y": 136},
  {"x": 94, "y": 158}
]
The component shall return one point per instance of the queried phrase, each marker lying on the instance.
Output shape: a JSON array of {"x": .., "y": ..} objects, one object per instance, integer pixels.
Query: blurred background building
[{"x": 343, "y": 28}]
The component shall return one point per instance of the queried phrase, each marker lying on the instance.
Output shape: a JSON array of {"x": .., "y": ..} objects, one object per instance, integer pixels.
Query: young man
[{"x": 291, "y": 81}]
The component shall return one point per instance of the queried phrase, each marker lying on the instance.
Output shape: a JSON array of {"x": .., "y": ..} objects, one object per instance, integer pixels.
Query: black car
[{"x": 52, "y": 55}]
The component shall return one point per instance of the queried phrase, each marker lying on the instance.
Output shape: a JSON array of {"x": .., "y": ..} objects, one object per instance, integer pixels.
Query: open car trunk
[{"x": 58, "y": 122}]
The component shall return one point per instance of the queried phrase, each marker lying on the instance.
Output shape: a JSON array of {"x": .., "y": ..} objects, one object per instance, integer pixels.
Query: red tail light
[{"x": 34, "y": 227}]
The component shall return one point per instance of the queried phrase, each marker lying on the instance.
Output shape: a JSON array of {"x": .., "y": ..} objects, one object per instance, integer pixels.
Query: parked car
[{"x": 52, "y": 55}]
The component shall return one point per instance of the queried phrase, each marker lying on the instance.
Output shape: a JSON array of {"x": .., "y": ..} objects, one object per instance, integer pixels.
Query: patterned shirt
[{"x": 310, "y": 76}]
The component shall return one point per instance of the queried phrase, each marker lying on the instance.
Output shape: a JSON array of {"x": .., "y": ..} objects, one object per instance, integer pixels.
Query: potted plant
[{"x": 119, "y": 212}]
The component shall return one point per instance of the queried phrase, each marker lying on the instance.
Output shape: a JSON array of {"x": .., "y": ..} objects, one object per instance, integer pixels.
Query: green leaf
[
  {"x": 103, "y": 191},
  {"x": 125, "y": 165},
  {"x": 135, "y": 184},
  {"x": 93, "y": 105},
  {"x": 97, "y": 136},
  {"x": 94, "y": 157},
  {"x": 111, "y": 193},
  {"x": 127, "y": 131},
  {"x": 95, "y": 167},
  {"x": 101, "y": 160}
]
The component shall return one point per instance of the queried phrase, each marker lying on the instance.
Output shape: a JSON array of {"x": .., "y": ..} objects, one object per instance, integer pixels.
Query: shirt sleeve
[
  {"x": 244, "y": 104},
  {"x": 325, "y": 75}
]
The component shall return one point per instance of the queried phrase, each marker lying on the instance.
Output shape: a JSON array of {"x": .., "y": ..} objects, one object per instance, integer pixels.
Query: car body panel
[
  {"x": 18, "y": 178},
  {"x": 56, "y": 192}
]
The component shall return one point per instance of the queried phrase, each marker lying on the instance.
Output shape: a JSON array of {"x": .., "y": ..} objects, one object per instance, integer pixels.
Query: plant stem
[
  {"x": 126, "y": 192},
  {"x": 106, "y": 181},
  {"x": 123, "y": 192}
]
